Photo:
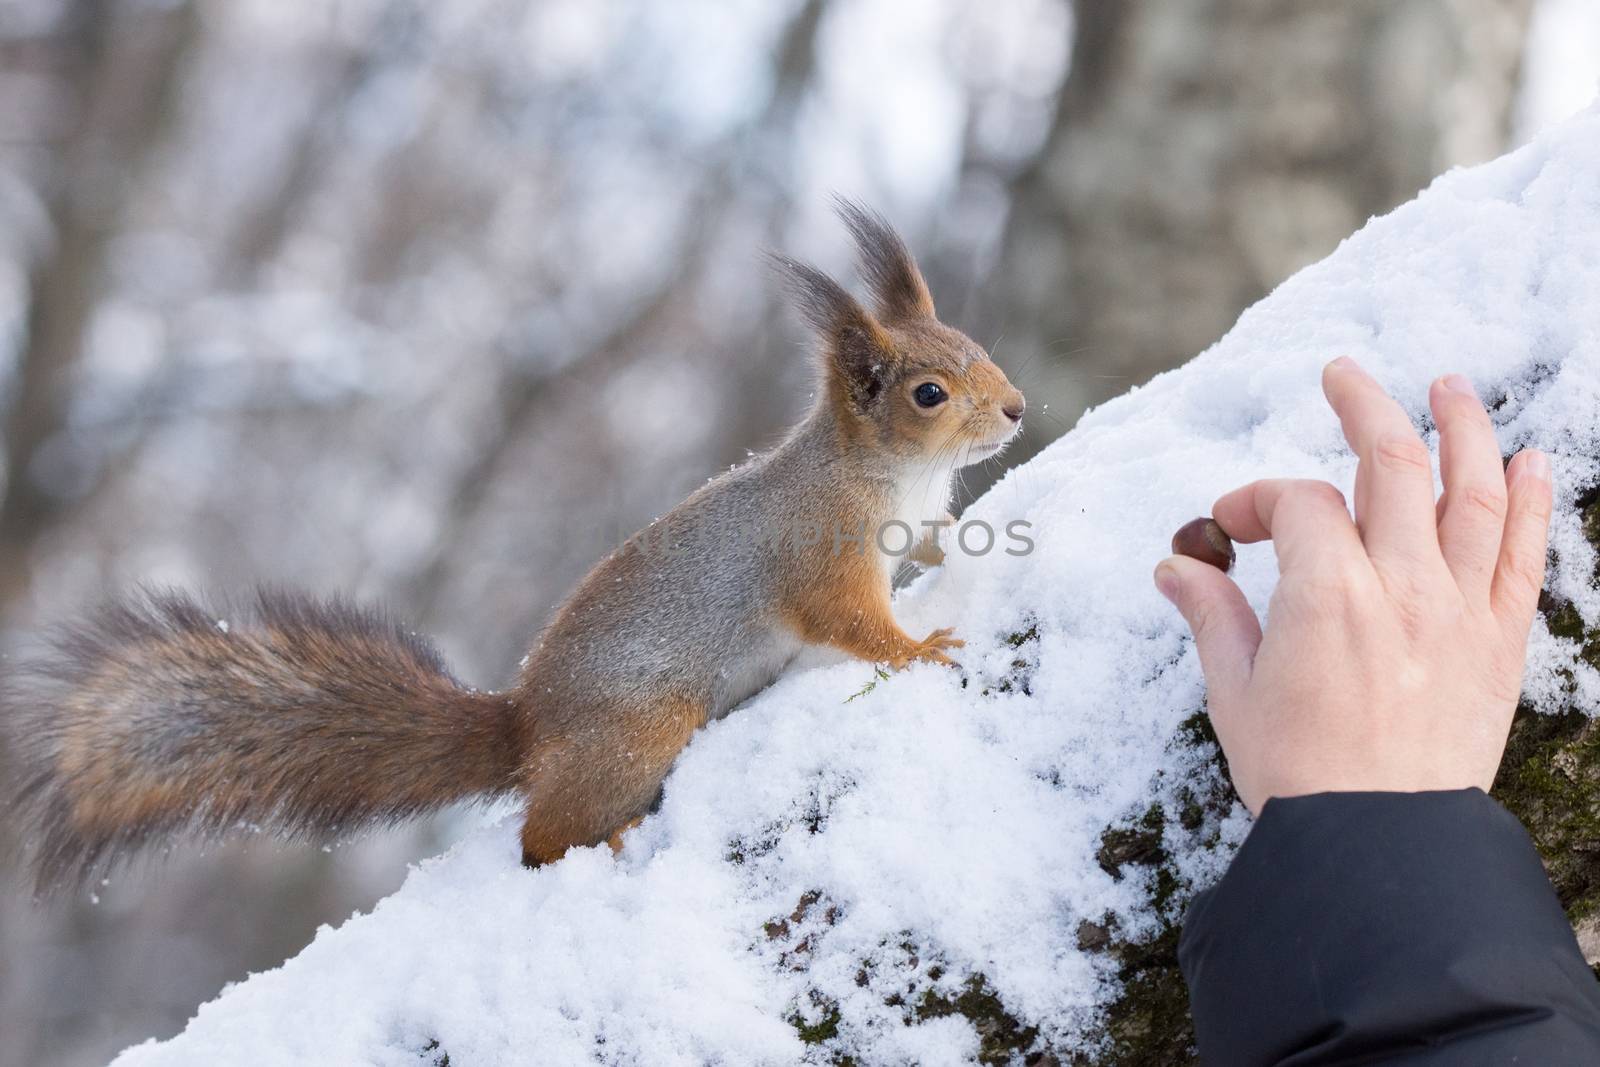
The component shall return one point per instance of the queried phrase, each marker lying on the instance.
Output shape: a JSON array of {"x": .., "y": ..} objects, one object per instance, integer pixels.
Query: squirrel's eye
[{"x": 929, "y": 395}]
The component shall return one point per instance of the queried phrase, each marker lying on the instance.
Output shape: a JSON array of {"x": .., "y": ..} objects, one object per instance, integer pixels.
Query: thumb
[{"x": 1226, "y": 630}]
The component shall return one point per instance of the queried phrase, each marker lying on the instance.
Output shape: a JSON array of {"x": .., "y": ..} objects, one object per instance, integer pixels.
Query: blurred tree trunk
[
  {"x": 59, "y": 289},
  {"x": 118, "y": 80},
  {"x": 1202, "y": 152}
]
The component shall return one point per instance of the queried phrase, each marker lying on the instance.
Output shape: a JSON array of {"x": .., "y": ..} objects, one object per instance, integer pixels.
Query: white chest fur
[{"x": 921, "y": 495}]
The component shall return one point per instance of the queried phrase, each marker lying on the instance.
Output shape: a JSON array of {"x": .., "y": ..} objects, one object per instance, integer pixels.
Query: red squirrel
[{"x": 314, "y": 718}]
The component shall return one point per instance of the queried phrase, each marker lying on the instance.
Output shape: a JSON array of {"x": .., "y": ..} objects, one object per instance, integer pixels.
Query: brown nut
[{"x": 1203, "y": 539}]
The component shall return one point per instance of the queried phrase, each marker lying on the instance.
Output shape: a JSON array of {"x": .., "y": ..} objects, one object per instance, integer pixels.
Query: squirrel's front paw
[
  {"x": 927, "y": 553},
  {"x": 927, "y": 550},
  {"x": 931, "y": 649}
]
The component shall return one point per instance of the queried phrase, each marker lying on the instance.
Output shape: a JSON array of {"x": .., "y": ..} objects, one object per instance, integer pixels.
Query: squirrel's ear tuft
[
  {"x": 857, "y": 352},
  {"x": 886, "y": 263}
]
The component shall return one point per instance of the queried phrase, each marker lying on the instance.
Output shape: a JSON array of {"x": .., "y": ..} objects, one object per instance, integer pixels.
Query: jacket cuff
[{"x": 1354, "y": 923}]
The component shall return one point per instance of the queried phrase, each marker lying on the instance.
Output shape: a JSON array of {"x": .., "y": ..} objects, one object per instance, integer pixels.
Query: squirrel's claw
[{"x": 931, "y": 650}]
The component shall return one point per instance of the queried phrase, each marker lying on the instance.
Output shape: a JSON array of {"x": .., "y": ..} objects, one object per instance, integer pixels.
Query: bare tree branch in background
[
  {"x": 526, "y": 395},
  {"x": 119, "y": 107},
  {"x": 762, "y": 140},
  {"x": 257, "y": 240}
]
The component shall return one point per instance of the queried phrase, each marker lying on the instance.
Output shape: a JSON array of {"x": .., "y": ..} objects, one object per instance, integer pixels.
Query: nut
[{"x": 1203, "y": 539}]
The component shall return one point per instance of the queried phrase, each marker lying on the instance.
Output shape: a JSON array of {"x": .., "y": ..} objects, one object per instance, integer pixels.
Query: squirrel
[{"x": 308, "y": 718}]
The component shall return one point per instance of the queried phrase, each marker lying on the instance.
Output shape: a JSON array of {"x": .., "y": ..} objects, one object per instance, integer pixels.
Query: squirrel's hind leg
[
  {"x": 595, "y": 786},
  {"x": 615, "y": 839}
]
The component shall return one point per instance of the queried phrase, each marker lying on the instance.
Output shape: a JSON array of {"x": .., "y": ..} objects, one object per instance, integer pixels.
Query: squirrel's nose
[{"x": 1013, "y": 410}]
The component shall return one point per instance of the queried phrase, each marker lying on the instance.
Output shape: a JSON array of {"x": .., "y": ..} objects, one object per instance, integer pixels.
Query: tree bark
[{"x": 1202, "y": 152}]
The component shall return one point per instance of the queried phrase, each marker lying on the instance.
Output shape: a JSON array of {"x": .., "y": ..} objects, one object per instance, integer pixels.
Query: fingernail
[
  {"x": 1167, "y": 581},
  {"x": 1537, "y": 465},
  {"x": 1457, "y": 383},
  {"x": 1345, "y": 363}
]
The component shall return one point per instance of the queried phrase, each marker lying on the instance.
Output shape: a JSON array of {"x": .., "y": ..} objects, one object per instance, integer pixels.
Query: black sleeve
[{"x": 1396, "y": 928}]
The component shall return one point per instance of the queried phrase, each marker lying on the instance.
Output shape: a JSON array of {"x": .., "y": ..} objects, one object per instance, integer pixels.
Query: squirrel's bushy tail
[{"x": 158, "y": 716}]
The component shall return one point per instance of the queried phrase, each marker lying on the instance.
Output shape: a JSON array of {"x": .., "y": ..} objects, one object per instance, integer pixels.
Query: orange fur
[
  {"x": 848, "y": 609},
  {"x": 590, "y": 787},
  {"x": 615, "y": 840}
]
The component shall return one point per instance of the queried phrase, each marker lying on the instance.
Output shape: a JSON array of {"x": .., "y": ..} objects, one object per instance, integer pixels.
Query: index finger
[{"x": 1307, "y": 521}]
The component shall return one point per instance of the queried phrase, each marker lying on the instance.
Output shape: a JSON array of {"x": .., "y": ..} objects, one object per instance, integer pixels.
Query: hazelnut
[{"x": 1203, "y": 539}]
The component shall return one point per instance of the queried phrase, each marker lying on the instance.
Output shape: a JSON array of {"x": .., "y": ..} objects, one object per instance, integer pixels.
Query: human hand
[{"x": 1395, "y": 643}]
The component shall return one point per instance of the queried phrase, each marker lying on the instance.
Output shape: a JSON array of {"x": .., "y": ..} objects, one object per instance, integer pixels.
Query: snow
[{"x": 830, "y": 845}]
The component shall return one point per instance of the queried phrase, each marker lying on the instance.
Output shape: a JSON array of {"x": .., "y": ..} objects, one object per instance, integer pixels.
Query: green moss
[
  {"x": 1591, "y": 518},
  {"x": 824, "y": 1029},
  {"x": 1019, "y": 674},
  {"x": 1550, "y": 779},
  {"x": 1022, "y": 637},
  {"x": 1002, "y": 1038},
  {"x": 1563, "y": 621},
  {"x": 436, "y": 1056},
  {"x": 906, "y": 976},
  {"x": 1135, "y": 845},
  {"x": 742, "y": 849},
  {"x": 1149, "y": 1020}
]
